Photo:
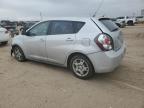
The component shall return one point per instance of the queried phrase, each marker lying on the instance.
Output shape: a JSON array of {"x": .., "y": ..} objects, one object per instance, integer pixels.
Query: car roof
[{"x": 68, "y": 18}]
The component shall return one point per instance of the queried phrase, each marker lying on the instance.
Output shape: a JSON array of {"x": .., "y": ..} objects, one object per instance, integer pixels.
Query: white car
[
  {"x": 128, "y": 20},
  {"x": 140, "y": 19},
  {"x": 85, "y": 45},
  {"x": 4, "y": 36}
]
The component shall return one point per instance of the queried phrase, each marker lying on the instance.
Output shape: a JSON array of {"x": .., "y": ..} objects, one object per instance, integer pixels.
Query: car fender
[
  {"x": 18, "y": 40},
  {"x": 81, "y": 50}
]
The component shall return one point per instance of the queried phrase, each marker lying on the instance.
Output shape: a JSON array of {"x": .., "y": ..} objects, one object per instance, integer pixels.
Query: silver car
[{"x": 84, "y": 45}]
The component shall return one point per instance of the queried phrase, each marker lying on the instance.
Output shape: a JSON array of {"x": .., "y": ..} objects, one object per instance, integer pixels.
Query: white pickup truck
[{"x": 128, "y": 20}]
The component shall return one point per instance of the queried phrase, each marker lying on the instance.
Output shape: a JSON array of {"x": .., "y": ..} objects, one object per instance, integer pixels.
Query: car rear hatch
[{"x": 109, "y": 27}]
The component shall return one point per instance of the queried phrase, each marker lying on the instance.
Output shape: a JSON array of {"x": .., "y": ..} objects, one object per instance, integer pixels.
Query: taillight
[{"x": 104, "y": 41}]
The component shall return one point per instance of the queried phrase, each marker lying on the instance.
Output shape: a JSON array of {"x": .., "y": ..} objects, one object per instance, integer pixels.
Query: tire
[
  {"x": 130, "y": 23},
  {"x": 18, "y": 54},
  {"x": 77, "y": 65}
]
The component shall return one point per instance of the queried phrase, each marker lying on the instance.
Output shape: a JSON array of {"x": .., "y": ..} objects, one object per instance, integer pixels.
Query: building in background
[{"x": 142, "y": 12}]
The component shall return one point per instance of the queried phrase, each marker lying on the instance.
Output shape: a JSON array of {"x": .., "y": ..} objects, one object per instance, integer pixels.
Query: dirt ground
[{"x": 37, "y": 85}]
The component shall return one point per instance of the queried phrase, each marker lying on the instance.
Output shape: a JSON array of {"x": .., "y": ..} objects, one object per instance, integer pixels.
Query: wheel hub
[
  {"x": 18, "y": 53},
  {"x": 80, "y": 67}
]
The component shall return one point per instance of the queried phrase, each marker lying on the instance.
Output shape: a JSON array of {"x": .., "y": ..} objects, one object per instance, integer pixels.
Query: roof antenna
[{"x": 100, "y": 5}]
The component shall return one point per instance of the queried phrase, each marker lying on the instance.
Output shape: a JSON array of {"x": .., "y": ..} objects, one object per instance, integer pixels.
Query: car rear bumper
[{"x": 107, "y": 61}]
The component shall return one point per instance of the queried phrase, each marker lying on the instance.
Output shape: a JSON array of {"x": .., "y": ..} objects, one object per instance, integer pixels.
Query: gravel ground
[{"x": 37, "y": 85}]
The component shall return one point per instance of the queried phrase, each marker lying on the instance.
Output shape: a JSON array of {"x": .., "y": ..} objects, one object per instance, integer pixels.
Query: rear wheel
[
  {"x": 81, "y": 67},
  {"x": 18, "y": 53},
  {"x": 130, "y": 23}
]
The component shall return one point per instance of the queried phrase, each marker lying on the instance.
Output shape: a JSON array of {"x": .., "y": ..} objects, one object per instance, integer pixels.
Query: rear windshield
[{"x": 109, "y": 24}]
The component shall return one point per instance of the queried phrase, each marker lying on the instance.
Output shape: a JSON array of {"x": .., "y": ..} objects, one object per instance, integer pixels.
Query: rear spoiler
[{"x": 104, "y": 19}]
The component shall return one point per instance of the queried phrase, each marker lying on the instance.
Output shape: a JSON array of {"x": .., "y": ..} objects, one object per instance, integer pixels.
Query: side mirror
[{"x": 23, "y": 31}]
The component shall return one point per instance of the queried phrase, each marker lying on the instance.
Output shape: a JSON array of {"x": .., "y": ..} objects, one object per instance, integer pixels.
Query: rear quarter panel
[{"x": 85, "y": 38}]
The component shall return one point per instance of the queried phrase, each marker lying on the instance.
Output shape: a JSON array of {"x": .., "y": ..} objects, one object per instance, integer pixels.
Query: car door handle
[{"x": 69, "y": 39}]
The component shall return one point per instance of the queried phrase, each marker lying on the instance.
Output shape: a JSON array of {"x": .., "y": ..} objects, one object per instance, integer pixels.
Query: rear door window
[
  {"x": 65, "y": 27},
  {"x": 61, "y": 27},
  {"x": 109, "y": 24}
]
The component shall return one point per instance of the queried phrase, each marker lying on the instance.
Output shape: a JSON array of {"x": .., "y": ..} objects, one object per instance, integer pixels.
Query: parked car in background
[
  {"x": 130, "y": 21},
  {"x": 4, "y": 36},
  {"x": 140, "y": 19},
  {"x": 119, "y": 23},
  {"x": 9, "y": 25},
  {"x": 85, "y": 45}
]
